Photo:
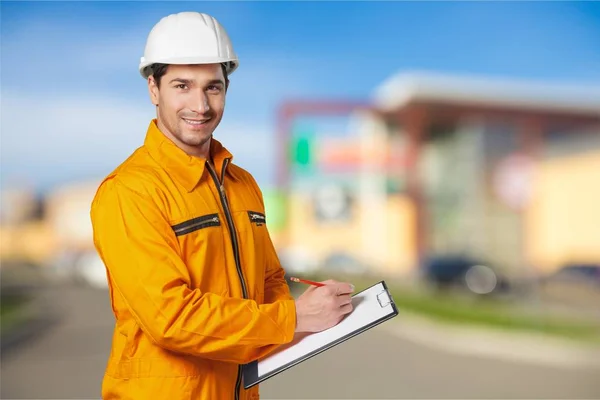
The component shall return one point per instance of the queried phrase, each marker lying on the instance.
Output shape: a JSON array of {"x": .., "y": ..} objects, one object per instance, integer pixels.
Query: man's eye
[
  {"x": 181, "y": 86},
  {"x": 214, "y": 88}
]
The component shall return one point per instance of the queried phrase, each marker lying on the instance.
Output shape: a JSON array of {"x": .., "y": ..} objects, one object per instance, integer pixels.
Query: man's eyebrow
[
  {"x": 217, "y": 82},
  {"x": 182, "y": 80},
  {"x": 190, "y": 81}
]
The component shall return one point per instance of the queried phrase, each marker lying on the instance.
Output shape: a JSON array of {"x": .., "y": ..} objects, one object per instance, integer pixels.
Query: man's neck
[{"x": 201, "y": 151}]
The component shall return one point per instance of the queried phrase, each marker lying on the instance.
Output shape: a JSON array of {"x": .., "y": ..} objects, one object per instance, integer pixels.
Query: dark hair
[{"x": 159, "y": 70}]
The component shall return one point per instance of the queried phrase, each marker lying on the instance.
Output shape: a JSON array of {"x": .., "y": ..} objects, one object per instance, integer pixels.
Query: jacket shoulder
[
  {"x": 138, "y": 173},
  {"x": 244, "y": 176}
]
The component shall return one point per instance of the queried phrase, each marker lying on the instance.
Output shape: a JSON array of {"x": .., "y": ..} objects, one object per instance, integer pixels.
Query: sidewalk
[{"x": 486, "y": 342}]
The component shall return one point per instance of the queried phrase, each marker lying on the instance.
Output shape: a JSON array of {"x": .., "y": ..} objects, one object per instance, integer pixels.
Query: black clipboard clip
[{"x": 386, "y": 301}]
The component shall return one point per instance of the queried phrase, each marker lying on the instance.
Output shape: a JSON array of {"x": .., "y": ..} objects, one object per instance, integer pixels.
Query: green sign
[
  {"x": 302, "y": 151},
  {"x": 302, "y": 146}
]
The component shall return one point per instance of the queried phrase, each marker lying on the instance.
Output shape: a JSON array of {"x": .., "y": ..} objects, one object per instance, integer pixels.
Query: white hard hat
[{"x": 188, "y": 38}]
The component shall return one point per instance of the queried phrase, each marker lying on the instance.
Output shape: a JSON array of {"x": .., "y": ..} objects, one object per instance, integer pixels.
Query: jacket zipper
[
  {"x": 191, "y": 226},
  {"x": 236, "y": 252}
]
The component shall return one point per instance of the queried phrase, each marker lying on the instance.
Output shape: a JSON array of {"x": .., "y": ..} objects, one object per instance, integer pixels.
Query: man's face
[{"x": 191, "y": 101}]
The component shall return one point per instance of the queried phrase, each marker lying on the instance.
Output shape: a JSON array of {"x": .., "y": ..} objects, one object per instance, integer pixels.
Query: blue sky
[{"x": 74, "y": 105}]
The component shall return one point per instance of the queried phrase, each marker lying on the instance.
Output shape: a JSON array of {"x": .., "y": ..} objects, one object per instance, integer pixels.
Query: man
[{"x": 194, "y": 281}]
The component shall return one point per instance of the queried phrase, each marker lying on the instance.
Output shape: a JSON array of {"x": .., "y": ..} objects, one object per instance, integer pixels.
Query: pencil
[{"x": 293, "y": 279}]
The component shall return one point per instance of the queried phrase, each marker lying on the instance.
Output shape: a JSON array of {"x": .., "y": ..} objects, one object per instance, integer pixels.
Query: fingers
[
  {"x": 346, "y": 308},
  {"x": 338, "y": 288},
  {"x": 342, "y": 288},
  {"x": 343, "y": 300}
]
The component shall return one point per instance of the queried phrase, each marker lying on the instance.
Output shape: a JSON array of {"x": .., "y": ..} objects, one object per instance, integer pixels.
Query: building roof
[{"x": 408, "y": 87}]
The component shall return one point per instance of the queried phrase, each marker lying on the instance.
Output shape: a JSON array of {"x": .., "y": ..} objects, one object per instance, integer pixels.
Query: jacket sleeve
[{"x": 140, "y": 252}]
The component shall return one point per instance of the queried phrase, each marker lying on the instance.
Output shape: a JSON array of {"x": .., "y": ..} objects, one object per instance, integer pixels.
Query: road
[{"x": 66, "y": 361}]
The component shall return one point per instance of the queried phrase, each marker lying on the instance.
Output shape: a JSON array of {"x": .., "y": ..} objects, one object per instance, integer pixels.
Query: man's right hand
[{"x": 320, "y": 308}]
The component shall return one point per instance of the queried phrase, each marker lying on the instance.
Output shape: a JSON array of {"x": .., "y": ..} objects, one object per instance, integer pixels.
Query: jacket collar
[{"x": 185, "y": 169}]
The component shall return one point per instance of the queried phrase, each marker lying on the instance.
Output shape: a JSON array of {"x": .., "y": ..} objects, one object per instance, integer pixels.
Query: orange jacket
[{"x": 194, "y": 281}]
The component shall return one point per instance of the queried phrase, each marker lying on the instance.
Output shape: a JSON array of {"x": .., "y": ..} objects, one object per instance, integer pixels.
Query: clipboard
[{"x": 371, "y": 307}]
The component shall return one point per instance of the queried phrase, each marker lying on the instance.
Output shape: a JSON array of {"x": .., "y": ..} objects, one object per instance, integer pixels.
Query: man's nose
[{"x": 200, "y": 104}]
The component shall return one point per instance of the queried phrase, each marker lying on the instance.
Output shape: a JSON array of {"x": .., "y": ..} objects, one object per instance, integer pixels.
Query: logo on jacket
[{"x": 257, "y": 218}]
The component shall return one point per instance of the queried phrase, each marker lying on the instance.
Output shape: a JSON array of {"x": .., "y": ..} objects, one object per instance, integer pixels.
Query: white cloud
[{"x": 72, "y": 137}]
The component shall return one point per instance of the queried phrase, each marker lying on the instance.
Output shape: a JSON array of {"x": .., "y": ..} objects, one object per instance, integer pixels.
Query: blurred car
[
  {"x": 586, "y": 274},
  {"x": 463, "y": 272},
  {"x": 574, "y": 284}
]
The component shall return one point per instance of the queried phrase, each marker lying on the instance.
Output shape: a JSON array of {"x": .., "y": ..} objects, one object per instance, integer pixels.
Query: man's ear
[{"x": 153, "y": 90}]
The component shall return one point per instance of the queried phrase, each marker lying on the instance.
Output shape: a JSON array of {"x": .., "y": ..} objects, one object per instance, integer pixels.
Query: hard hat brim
[{"x": 232, "y": 63}]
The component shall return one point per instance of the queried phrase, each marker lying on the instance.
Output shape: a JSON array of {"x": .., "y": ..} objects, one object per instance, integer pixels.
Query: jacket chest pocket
[{"x": 202, "y": 248}]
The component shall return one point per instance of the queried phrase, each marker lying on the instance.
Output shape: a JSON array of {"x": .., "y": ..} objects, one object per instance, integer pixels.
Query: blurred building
[
  {"x": 68, "y": 215},
  {"x": 503, "y": 171},
  {"x": 23, "y": 234},
  {"x": 17, "y": 204},
  {"x": 41, "y": 229}
]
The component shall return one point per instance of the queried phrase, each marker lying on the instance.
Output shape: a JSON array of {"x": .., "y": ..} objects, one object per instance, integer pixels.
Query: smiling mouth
[{"x": 196, "y": 122}]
